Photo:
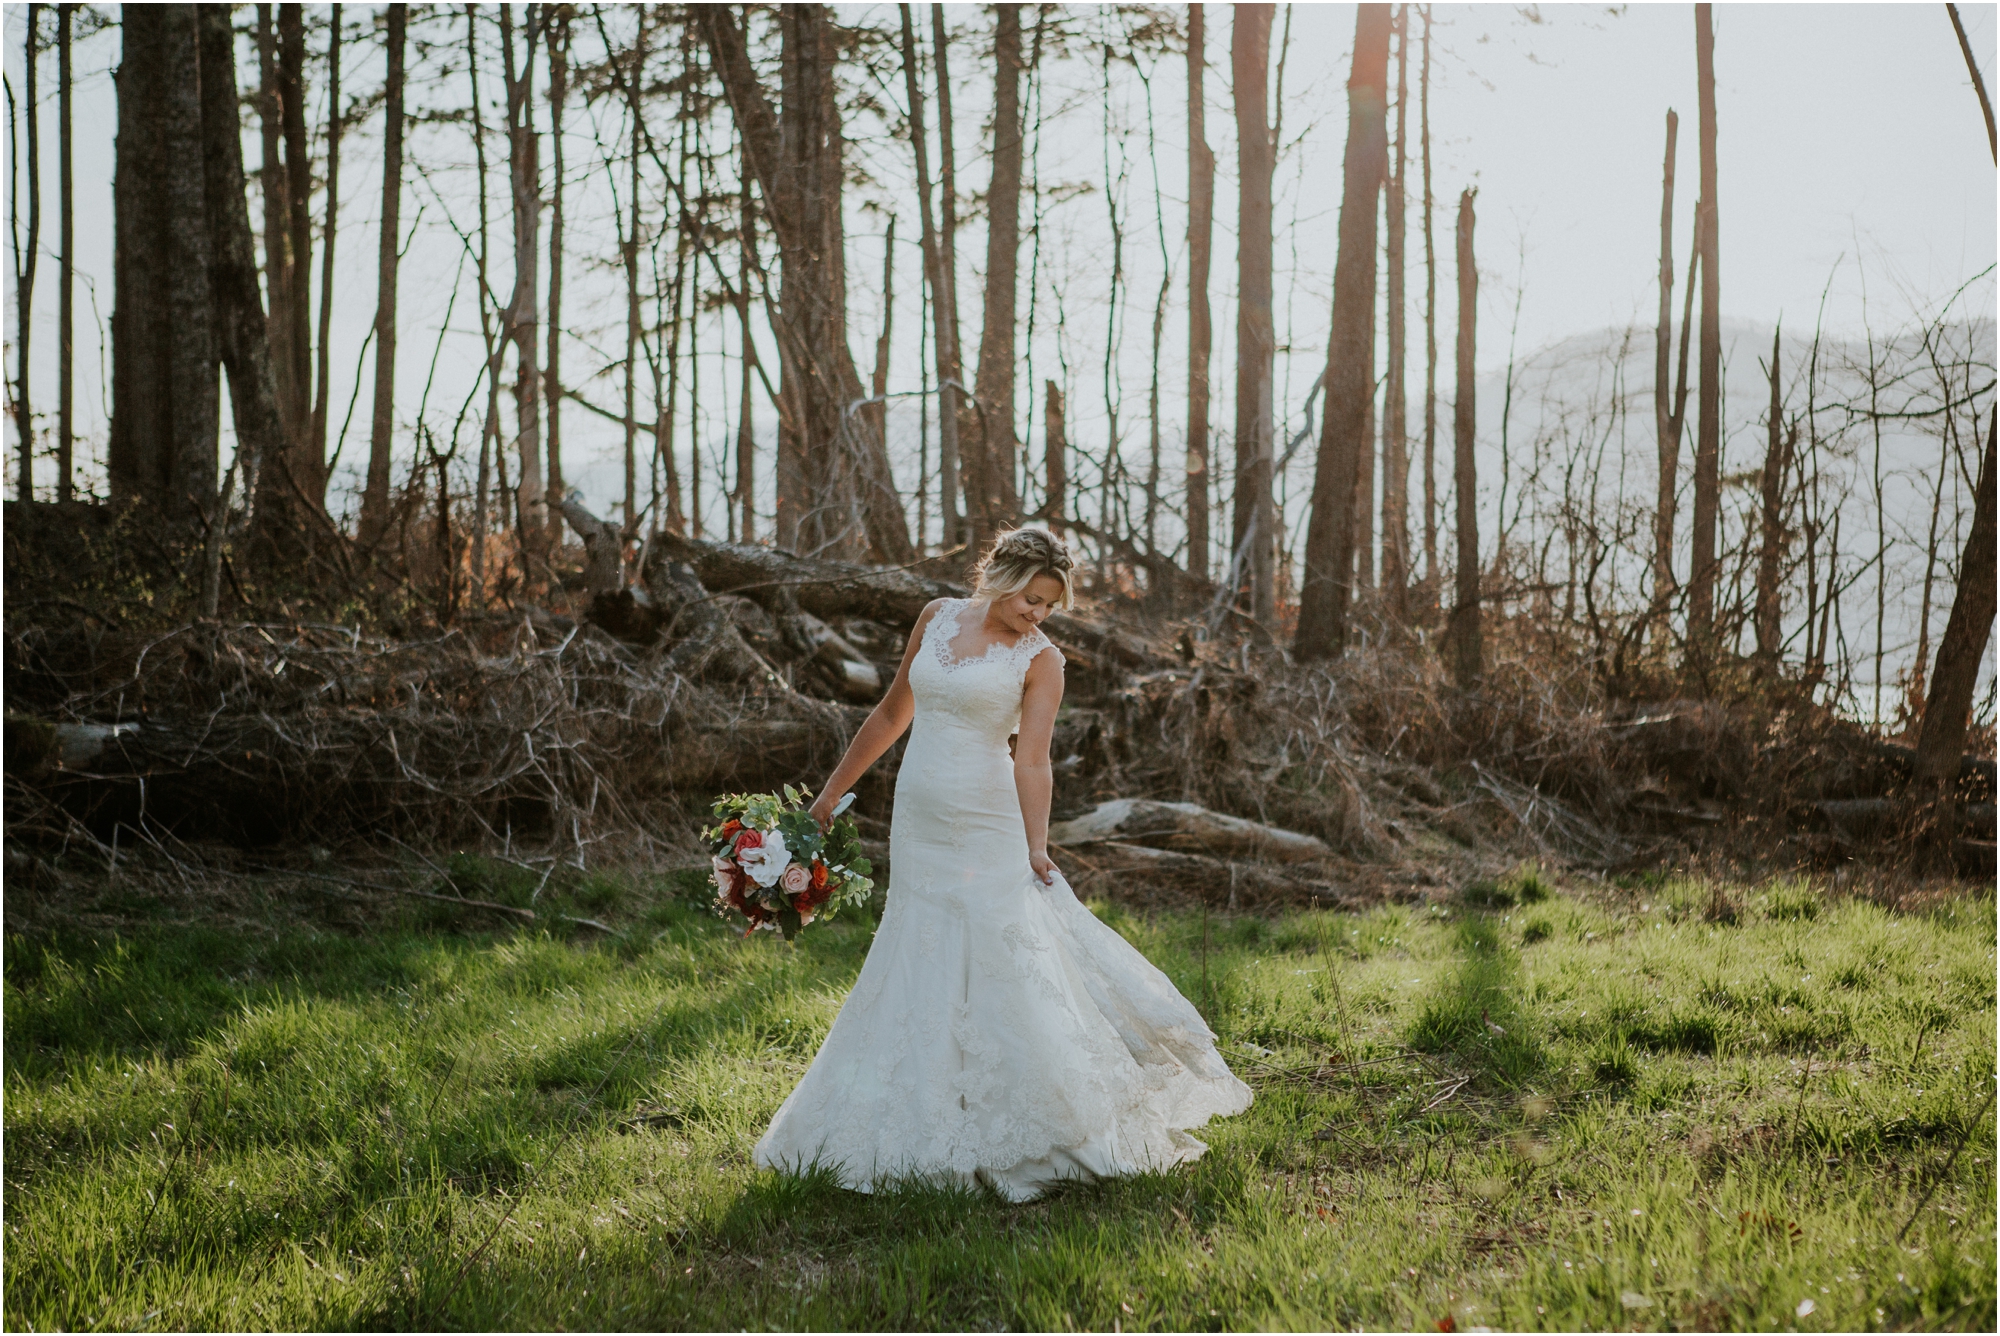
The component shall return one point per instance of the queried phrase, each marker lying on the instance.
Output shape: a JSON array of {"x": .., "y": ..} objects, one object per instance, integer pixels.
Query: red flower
[
  {"x": 819, "y": 875},
  {"x": 730, "y": 827},
  {"x": 748, "y": 839}
]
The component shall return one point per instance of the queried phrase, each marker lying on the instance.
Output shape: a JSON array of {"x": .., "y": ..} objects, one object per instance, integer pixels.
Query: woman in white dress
[{"x": 998, "y": 1033}]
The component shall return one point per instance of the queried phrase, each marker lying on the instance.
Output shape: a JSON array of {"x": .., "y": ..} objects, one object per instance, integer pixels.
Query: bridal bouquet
[{"x": 775, "y": 867}]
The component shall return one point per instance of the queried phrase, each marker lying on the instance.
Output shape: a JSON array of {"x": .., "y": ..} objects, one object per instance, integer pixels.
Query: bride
[{"x": 998, "y": 1033}]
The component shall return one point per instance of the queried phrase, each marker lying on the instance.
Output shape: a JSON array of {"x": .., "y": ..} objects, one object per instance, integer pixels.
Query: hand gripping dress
[{"x": 998, "y": 1032}]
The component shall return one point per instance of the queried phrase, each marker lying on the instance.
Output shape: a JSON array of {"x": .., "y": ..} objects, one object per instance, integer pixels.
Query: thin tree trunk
[
  {"x": 1708, "y": 442},
  {"x": 1771, "y": 551},
  {"x": 65, "y": 297},
  {"x": 552, "y": 392},
  {"x": 382, "y": 420},
  {"x": 746, "y": 437},
  {"x": 1349, "y": 377},
  {"x": 629, "y": 247},
  {"x": 934, "y": 267},
  {"x": 1948, "y": 712},
  {"x": 298, "y": 223},
  {"x": 1467, "y": 639},
  {"x": 1978, "y": 81},
  {"x": 668, "y": 406},
  {"x": 279, "y": 263},
  {"x": 951, "y": 375},
  {"x": 523, "y": 322},
  {"x": 999, "y": 502},
  {"x": 327, "y": 235},
  {"x": 490, "y": 424},
  {"x": 24, "y": 261},
  {"x": 1395, "y": 406},
  {"x": 1431, "y": 580},
  {"x": 1056, "y": 447},
  {"x": 1201, "y": 232},
  {"x": 878, "y": 385},
  {"x": 1253, "y": 517},
  {"x": 1665, "y": 423}
]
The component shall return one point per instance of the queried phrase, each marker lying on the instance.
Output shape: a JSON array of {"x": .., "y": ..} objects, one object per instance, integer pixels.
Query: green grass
[{"x": 1569, "y": 1117}]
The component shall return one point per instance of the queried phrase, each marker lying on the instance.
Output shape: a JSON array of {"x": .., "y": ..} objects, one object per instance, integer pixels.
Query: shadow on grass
[{"x": 1473, "y": 1014}]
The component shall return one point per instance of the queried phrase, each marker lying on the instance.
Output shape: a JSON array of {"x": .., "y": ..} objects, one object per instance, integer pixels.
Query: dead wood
[{"x": 1186, "y": 827}]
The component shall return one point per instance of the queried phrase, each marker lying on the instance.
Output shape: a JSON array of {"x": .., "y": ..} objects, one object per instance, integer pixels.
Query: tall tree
[
  {"x": 945, "y": 344},
  {"x": 165, "y": 410},
  {"x": 1430, "y": 328},
  {"x": 1201, "y": 234},
  {"x": 1254, "y": 518},
  {"x": 629, "y": 253},
  {"x": 66, "y": 268},
  {"x": 1708, "y": 440},
  {"x": 1395, "y": 405},
  {"x": 1663, "y": 414},
  {"x": 836, "y": 492},
  {"x": 746, "y": 436},
  {"x": 242, "y": 327},
  {"x": 1465, "y": 634},
  {"x": 25, "y": 256},
  {"x": 999, "y": 502},
  {"x": 523, "y": 319},
  {"x": 951, "y": 381},
  {"x": 328, "y": 233},
  {"x": 382, "y": 418},
  {"x": 1350, "y": 379},
  {"x": 1771, "y": 548},
  {"x": 1948, "y": 711},
  {"x": 558, "y": 43},
  {"x": 1055, "y": 447}
]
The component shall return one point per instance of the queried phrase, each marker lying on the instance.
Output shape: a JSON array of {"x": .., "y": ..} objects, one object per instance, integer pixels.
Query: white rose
[{"x": 766, "y": 863}]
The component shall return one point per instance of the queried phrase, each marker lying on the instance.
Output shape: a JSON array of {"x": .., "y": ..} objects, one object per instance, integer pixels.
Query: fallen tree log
[
  {"x": 771, "y": 575},
  {"x": 1187, "y": 828}
]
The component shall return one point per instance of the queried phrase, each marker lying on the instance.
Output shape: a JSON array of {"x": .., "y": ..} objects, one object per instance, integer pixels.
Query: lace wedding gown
[{"x": 998, "y": 1032}]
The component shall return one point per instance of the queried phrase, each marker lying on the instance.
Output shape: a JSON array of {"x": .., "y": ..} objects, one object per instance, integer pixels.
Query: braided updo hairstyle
[{"x": 1017, "y": 557}]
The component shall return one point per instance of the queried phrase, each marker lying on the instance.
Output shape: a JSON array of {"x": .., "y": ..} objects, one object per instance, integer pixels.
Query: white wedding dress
[{"x": 998, "y": 1032}]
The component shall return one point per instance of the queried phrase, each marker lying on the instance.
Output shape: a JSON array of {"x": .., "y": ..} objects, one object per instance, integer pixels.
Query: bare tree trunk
[
  {"x": 1771, "y": 551},
  {"x": 1664, "y": 420},
  {"x": 878, "y": 385},
  {"x": 970, "y": 448},
  {"x": 165, "y": 409},
  {"x": 667, "y": 406},
  {"x": 1350, "y": 379},
  {"x": 523, "y": 319},
  {"x": 1465, "y": 632},
  {"x": 1201, "y": 232},
  {"x": 1708, "y": 442},
  {"x": 24, "y": 259},
  {"x": 1254, "y": 536},
  {"x": 999, "y": 502},
  {"x": 242, "y": 328},
  {"x": 65, "y": 297},
  {"x": 746, "y": 437},
  {"x": 1978, "y": 80},
  {"x": 944, "y": 344},
  {"x": 1948, "y": 712},
  {"x": 489, "y": 428},
  {"x": 558, "y": 43},
  {"x": 1056, "y": 448},
  {"x": 1395, "y": 405},
  {"x": 797, "y": 166},
  {"x": 382, "y": 420},
  {"x": 327, "y": 235},
  {"x": 279, "y": 263},
  {"x": 629, "y": 248},
  {"x": 298, "y": 223},
  {"x": 1431, "y": 580}
]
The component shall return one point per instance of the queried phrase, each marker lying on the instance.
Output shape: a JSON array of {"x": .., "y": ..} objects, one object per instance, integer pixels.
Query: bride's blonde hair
[{"x": 1017, "y": 557}]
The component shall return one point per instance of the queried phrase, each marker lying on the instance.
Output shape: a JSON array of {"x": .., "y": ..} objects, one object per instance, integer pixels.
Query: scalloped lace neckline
[{"x": 949, "y": 659}]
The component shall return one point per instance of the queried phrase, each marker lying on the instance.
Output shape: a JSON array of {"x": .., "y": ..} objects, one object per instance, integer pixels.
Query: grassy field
[{"x": 1525, "y": 1109}]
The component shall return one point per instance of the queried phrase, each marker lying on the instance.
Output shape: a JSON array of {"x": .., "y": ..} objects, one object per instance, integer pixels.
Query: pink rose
[
  {"x": 795, "y": 880},
  {"x": 728, "y": 876}
]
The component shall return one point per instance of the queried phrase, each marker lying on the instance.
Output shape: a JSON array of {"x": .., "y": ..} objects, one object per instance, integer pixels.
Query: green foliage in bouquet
[{"x": 749, "y": 827}]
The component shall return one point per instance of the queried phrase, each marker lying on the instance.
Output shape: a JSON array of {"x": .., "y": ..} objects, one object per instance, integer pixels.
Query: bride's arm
[
  {"x": 1034, "y": 781},
  {"x": 885, "y": 723}
]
